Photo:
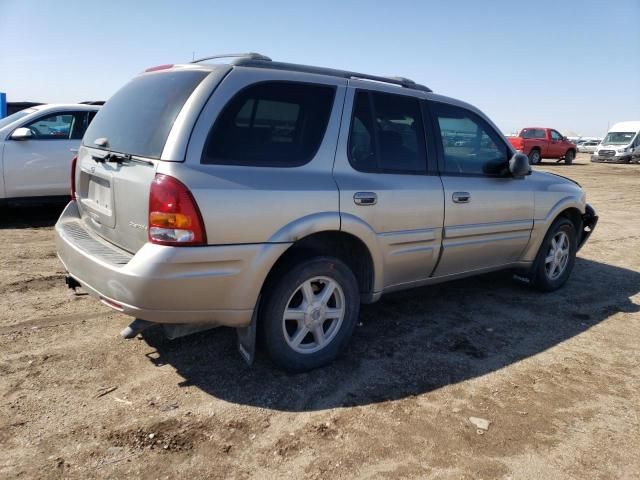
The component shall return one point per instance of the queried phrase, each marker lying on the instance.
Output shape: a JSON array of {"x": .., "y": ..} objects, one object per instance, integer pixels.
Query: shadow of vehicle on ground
[
  {"x": 31, "y": 216},
  {"x": 412, "y": 342}
]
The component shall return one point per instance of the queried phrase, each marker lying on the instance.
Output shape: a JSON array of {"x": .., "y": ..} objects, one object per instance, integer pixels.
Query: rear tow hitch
[{"x": 71, "y": 283}]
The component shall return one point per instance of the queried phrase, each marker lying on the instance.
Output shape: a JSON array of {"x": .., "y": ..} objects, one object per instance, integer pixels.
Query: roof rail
[
  {"x": 247, "y": 61},
  {"x": 249, "y": 56},
  {"x": 401, "y": 81}
]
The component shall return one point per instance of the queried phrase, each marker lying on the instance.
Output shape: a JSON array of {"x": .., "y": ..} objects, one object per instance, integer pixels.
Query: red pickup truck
[{"x": 538, "y": 143}]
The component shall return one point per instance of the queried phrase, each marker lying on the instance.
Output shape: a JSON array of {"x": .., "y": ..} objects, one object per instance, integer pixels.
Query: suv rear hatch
[{"x": 125, "y": 142}]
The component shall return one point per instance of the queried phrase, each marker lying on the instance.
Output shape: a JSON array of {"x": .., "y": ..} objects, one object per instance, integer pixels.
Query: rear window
[
  {"x": 533, "y": 133},
  {"x": 271, "y": 124},
  {"x": 139, "y": 117}
]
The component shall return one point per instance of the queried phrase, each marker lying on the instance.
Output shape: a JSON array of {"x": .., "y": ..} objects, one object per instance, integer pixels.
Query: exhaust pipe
[{"x": 134, "y": 328}]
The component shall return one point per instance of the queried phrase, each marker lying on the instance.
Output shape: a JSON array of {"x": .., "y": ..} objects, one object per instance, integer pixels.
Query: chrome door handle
[
  {"x": 461, "y": 197},
  {"x": 365, "y": 198}
]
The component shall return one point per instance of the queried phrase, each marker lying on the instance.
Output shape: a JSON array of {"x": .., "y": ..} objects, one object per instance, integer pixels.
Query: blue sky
[{"x": 572, "y": 65}]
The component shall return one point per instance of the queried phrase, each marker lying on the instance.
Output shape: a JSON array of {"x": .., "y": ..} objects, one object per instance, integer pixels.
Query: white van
[{"x": 621, "y": 145}]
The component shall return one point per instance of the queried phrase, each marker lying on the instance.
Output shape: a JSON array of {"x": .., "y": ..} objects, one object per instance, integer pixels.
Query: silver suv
[{"x": 275, "y": 198}]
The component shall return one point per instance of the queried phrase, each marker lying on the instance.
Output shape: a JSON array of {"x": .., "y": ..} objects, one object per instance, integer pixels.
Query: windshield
[
  {"x": 138, "y": 118},
  {"x": 16, "y": 116},
  {"x": 618, "y": 138}
]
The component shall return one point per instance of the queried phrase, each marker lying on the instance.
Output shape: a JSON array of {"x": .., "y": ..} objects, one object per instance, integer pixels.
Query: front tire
[
  {"x": 569, "y": 156},
  {"x": 556, "y": 257},
  {"x": 309, "y": 314}
]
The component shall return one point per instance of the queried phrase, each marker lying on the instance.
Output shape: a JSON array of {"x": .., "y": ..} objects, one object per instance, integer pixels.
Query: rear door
[
  {"x": 40, "y": 166},
  {"x": 488, "y": 213},
  {"x": 384, "y": 180},
  {"x": 540, "y": 141}
]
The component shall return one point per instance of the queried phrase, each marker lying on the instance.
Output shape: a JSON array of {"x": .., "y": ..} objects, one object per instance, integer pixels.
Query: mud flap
[
  {"x": 247, "y": 338},
  {"x": 523, "y": 277},
  {"x": 589, "y": 222}
]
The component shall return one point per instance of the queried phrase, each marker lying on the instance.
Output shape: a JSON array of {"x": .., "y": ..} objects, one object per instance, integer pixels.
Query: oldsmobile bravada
[{"x": 276, "y": 198}]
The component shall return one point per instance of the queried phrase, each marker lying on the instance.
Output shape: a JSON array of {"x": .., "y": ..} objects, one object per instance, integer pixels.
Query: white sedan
[
  {"x": 36, "y": 151},
  {"x": 589, "y": 146}
]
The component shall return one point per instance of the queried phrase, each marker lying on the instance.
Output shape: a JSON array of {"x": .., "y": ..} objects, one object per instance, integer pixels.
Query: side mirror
[
  {"x": 519, "y": 166},
  {"x": 21, "y": 134}
]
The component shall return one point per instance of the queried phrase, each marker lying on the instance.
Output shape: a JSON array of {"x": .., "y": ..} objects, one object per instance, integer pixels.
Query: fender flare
[
  {"x": 305, "y": 226},
  {"x": 541, "y": 225},
  {"x": 336, "y": 222}
]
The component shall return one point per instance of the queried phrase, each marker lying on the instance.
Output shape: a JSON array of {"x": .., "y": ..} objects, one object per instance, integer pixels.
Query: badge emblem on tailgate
[{"x": 137, "y": 225}]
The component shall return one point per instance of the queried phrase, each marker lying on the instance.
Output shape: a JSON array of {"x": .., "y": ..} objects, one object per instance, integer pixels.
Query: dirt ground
[{"x": 557, "y": 375}]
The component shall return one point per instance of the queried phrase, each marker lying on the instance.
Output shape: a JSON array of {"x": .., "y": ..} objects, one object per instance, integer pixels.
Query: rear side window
[
  {"x": 271, "y": 124},
  {"x": 139, "y": 117},
  {"x": 387, "y": 134}
]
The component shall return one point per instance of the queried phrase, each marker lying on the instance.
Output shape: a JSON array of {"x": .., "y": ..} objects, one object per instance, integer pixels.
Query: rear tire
[
  {"x": 309, "y": 314},
  {"x": 569, "y": 156},
  {"x": 556, "y": 257},
  {"x": 534, "y": 157}
]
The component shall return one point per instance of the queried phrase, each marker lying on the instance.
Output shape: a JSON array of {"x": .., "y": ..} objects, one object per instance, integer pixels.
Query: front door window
[{"x": 58, "y": 126}]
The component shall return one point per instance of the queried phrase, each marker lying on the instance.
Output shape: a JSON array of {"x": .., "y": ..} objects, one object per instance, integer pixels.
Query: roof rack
[
  {"x": 252, "y": 59},
  {"x": 247, "y": 61},
  {"x": 249, "y": 55},
  {"x": 401, "y": 81}
]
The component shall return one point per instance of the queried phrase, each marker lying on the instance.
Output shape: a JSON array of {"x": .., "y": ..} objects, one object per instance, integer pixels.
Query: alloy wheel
[
  {"x": 555, "y": 263},
  {"x": 313, "y": 315}
]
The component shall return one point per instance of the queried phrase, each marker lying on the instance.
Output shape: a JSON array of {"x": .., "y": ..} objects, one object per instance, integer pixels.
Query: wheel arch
[
  {"x": 572, "y": 214},
  {"x": 334, "y": 243},
  {"x": 569, "y": 208}
]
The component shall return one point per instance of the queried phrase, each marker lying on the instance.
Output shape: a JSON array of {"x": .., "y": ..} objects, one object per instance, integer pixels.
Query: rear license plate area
[
  {"x": 99, "y": 194},
  {"x": 96, "y": 194}
]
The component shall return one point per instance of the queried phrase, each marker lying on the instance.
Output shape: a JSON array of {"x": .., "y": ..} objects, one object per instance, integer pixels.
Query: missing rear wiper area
[{"x": 119, "y": 158}]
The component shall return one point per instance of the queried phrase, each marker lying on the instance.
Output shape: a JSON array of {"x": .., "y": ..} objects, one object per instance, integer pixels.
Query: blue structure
[{"x": 3, "y": 105}]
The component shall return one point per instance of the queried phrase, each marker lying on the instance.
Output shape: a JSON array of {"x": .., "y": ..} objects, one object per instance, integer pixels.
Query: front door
[
  {"x": 557, "y": 147},
  {"x": 488, "y": 214},
  {"x": 41, "y": 165},
  {"x": 381, "y": 172}
]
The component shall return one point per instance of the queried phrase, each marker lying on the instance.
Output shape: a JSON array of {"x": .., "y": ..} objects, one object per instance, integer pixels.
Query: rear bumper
[
  {"x": 589, "y": 221},
  {"x": 216, "y": 285}
]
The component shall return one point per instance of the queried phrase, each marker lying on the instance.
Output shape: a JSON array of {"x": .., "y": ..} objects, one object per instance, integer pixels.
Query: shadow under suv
[{"x": 276, "y": 198}]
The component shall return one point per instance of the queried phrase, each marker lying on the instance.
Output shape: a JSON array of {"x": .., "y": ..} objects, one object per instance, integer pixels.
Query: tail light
[
  {"x": 518, "y": 143},
  {"x": 74, "y": 161},
  {"x": 174, "y": 217}
]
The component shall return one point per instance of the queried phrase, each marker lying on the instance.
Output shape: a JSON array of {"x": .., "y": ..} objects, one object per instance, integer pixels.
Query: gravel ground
[{"x": 556, "y": 375}]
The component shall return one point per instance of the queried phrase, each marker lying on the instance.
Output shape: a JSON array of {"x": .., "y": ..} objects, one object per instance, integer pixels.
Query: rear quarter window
[
  {"x": 138, "y": 118},
  {"x": 270, "y": 124}
]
